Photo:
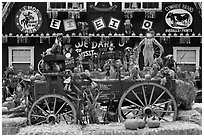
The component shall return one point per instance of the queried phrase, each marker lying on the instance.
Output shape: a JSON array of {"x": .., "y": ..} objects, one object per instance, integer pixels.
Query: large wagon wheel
[
  {"x": 147, "y": 100},
  {"x": 52, "y": 109},
  {"x": 40, "y": 64},
  {"x": 157, "y": 53}
]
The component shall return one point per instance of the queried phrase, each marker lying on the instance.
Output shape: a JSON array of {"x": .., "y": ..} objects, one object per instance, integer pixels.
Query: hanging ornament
[
  {"x": 41, "y": 37},
  {"x": 188, "y": 39},
  {"x": 150, "y": 14},
  {"x": 49, "y": 13},
  {"x": 182, "y": 39},
  {"x": 48, "y": 37},
  {"x": 68, "y": 38},
  {"x": 3, "y": 39},
  {"x": 200, "y": 37},
  {"x": 21, "y": 38},
  {"x": 26, "y": 38},
  {"x": 18, "y": 38},
  {"x": 6, "y": 38}
]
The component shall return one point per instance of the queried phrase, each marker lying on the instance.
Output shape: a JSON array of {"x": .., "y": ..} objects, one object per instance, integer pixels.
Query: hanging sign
[
  {"x": 147, "y": 24},
  {"x": 99, "y": 24},
  {"x": 55, "y": 24},
  {"x": 179, "y": 17},
  {"x": 69, "y": 24},
  {"x": 114, "y": 23},
  {"x": 28, "y": 19}
]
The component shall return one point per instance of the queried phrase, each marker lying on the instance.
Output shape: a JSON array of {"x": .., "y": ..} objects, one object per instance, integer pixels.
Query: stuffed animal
[{"x": 128, "y": 27}]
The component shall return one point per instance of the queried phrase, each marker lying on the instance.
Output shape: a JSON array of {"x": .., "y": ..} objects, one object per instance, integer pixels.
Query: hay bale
[
  {"x": 185, "y": 94},
  {"x": 166, "y": 128},
  {"x": 190, "y": 115},
  {"x": 197, "y": 107},
  {"x": 11, "y": 126}
]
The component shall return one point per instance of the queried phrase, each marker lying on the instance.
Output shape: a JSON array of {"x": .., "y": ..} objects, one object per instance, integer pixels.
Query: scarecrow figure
[{"x": 148, "y": 50}]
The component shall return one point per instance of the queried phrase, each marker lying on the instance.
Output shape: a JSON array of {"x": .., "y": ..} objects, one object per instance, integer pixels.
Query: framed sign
[
  {"x": 28, "y": 19},
  {"x": 69, "y": 24},
  {"x": 55, "y": 24}
]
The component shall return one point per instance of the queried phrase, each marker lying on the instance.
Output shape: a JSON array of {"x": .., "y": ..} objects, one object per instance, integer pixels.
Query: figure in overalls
[{"x": 148, "y": 50}]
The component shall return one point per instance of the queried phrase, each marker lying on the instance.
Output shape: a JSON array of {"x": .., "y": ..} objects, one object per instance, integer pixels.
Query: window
[
  {"x": 141, "y": 6},
  {"x": 65, "y": 6},
  {"x": 187, "y": 57},
  {"x": 21, "y": 58}
]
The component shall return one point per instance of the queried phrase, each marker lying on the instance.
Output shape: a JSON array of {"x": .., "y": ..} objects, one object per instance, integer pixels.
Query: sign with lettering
[
  {"x": 28, "y": 19},
  {"x": 147, "y": 24},
  {"x": 99, "y": 24},
  {"x": 179, "y": 17},
  {"x": 69, "y": 24},
  {"x": 55, "y": 24},
  {"x": 114, "y": 23}
]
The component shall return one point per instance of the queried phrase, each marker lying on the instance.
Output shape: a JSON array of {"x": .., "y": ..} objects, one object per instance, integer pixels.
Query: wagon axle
[{"x": 147, "y": 110}]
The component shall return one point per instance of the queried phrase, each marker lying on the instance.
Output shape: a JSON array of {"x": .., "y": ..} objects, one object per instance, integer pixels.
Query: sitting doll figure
[
  {"x": 148, "y": 50},
  {"x": 128, "y": 27},
  {"x": 134, "y": 73},
  {"x": 110, "y": 70},
  {"x": 57, "y": 46},
  {"x": 84, "y": 28},
  {"x": 126, "y": 59}
]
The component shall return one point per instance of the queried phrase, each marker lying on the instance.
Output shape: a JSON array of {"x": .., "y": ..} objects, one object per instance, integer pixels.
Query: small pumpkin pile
[{"x": 134, "y": 124}]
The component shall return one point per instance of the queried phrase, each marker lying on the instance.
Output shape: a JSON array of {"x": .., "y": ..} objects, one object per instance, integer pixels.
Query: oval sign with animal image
[
  {"x": 179, "y": 19},
  {"x": 28, "y": 19}
]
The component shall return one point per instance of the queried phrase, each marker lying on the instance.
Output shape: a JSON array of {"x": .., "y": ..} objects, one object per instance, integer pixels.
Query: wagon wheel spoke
[
  {"x": 159, "y": 110},
  {"x": 158, "y": 98},
  {"x": 133, "y": 103},
  {"x": 143, "y": 90},
  {"x": 39, "y": 116},
  {"x": 161, "y": 117},
  {"x": 137, "y": 97},
  {"x": 163, "y": 103},
  {"x": 156, "y": 52},
  {"x": 47, "y": 105},
  {"x": 41, "y": 122},
  {"x": 55, "y": 102},
  {"x": 60, "y": 108},
  {"x": 150, "y": 99},
  {"x": 41, "y": 109}
]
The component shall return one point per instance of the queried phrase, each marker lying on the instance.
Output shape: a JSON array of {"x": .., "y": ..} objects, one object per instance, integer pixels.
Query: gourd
[
  {"x": 131, "y": 124},
  {"x": 153, "y": 123},
  {"x": 141, "y": 123}
]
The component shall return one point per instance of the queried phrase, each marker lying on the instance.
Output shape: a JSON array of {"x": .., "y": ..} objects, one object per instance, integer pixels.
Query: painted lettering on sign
[
  {"x": 179, "y": 18},
  {"x": 28, "y": 19},
  {"x": 99, "y": 24},
  {"x": 55, "y": 24},
  {"x": 114, "y": 23}
]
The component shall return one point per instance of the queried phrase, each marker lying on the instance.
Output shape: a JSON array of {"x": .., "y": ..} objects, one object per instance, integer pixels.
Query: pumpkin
[
  {"x": 37, "y": 76},
  {"x": 141, "y": 123},
  {"x": 153, "y": 123},
  {"x": 131, "y": 124},
  {"x": 32, "y": 78},
  {"x": 148, "y": 76}
]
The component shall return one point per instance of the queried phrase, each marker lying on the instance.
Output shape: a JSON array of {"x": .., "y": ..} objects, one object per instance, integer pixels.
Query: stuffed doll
[
  {"x": 84, "y": 28},
  {"x": 128, "y": 27}
]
